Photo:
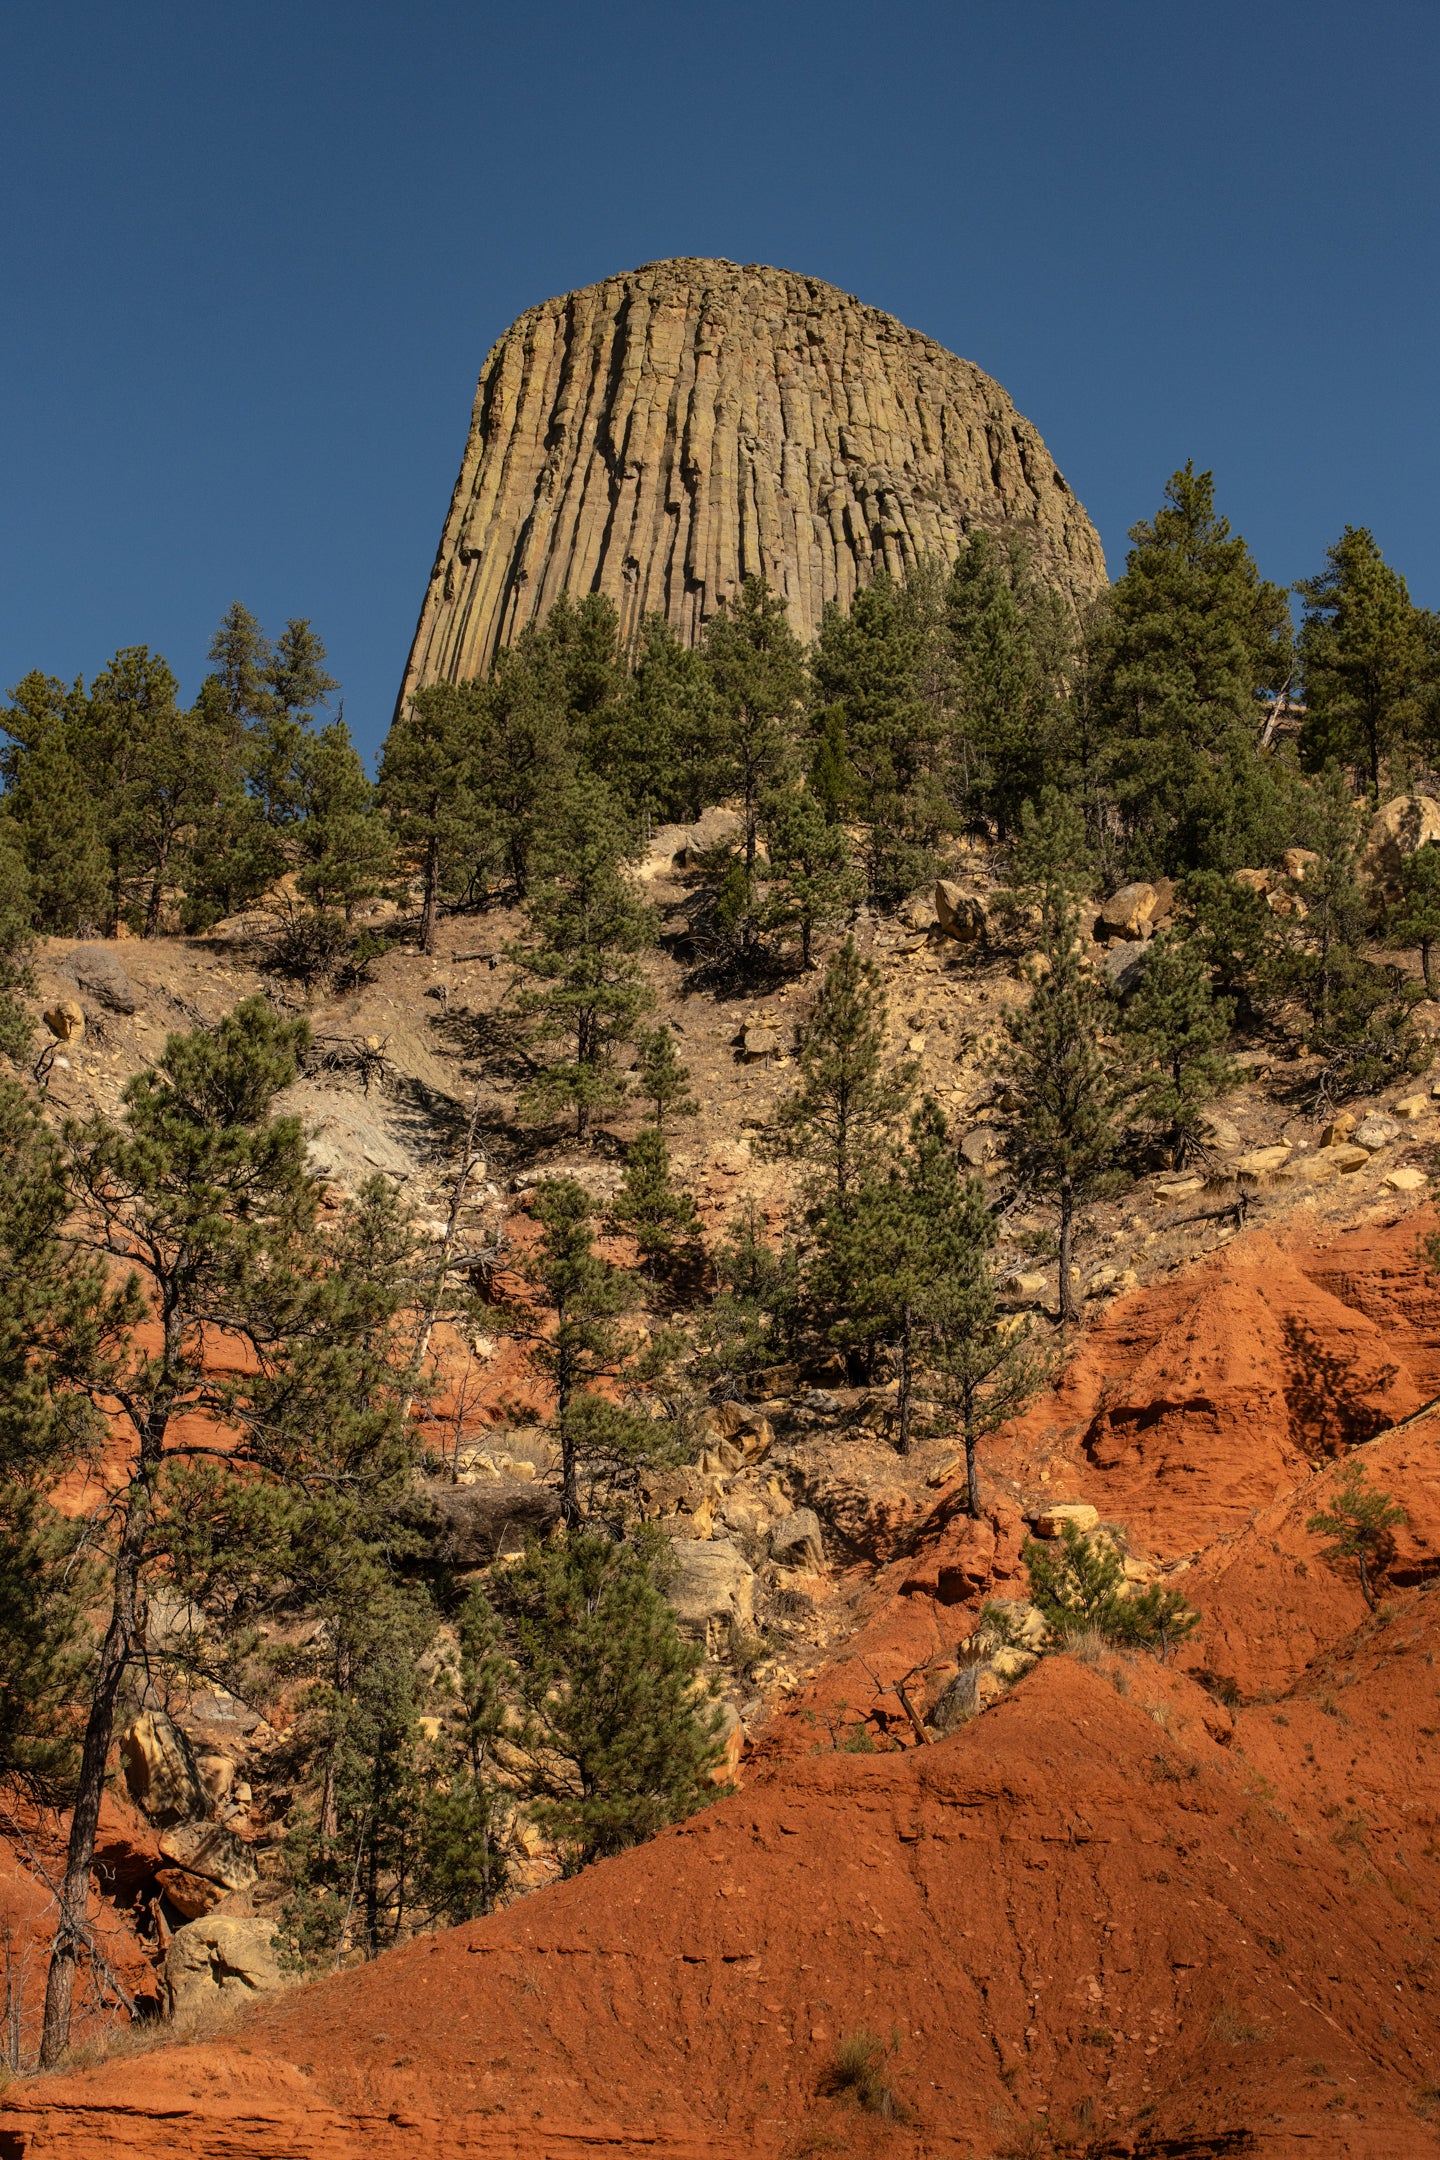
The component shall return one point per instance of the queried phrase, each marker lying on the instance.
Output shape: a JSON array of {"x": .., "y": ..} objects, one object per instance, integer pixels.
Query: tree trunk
[
  {"x": 72, "y": 1925},
  {"x": 432, "y": 895},
  {"x": 972, "y": 1473},
  {"x": 902, "y": 1396},
  {"x": 569, "y": 1474},
  {"x": 1425, "y": 944},
  {"x": 1069, "y": 1304}
]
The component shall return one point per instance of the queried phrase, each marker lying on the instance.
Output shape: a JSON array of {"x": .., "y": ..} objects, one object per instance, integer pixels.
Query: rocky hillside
[
  {"x": 663, "y": 435},
  {"x": 1086, "y": 1903}
]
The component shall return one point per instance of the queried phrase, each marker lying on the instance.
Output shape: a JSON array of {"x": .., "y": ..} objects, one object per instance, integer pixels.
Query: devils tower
[{"x": 663, "y": 435}]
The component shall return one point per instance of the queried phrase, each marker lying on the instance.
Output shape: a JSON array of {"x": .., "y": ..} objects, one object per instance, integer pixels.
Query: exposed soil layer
[{"x": 1113, "y": 1916}]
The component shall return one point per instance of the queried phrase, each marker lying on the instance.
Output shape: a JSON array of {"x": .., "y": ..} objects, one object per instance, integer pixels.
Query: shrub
[
  {"x": 1359, "y": 1522},
  {"x": 1079, "y": 1586},
  {"x": 855, "y": 2073}
]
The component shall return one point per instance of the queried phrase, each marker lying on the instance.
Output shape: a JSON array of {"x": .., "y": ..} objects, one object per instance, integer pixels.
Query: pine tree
[
  {"x": 294, "y": 671},
  {"x": 1360, "y": 1521},
  {"x": 1369, "y": 658},
  {"x": 588, "y": 1296},
  {"x": 758, "y": 1313},
  {"x": 587, "y": 927},
  {"x": 662, "y": 1078},
  {"x": 611, "y": 1689},
  {"x": 1358, "y": 1025},
  {"x": 886, "y": 1264},
  {"x": 813, "y": 883},
  {"x": 1413, "y": 921},
  {"x": 655, "y": 744},
  {"x": 1189, "y": 638},
  {"x": 17, "y": 913},
  {"x": 757, "y": 665},
  {"x": 984, "y": 1361},
  {"x": 58, "y": 1321},
  {"x": 1174, "y": 1028},
  {"x": 1049, "y": 851},
  {"x": 883, "y": 726},
  {"x": 659, "y": 1214},
  {"x": 1055, "y": 1068},
  {"x": 355, "y": 1858},
  {"x": 1080, "y": 1588},
  {"x": 53, "y": 815},
  {"x": 241, "y": 654},
  {"x": 344, "y": 841},
  {"x": 210, "y": 1195},
  {"x": 846, "y": 1102},
  {"x": 1238, "y": 939},
  {"x": 1012, "y": 639},
  {"x": 429, "y": 790}
]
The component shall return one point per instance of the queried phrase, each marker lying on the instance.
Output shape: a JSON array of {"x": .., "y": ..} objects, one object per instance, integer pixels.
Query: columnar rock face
[{"x": 663, "y": 435}]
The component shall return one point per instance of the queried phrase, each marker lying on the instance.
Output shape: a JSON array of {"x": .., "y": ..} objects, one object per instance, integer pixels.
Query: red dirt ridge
[{"x": 1110, "y": 1918}]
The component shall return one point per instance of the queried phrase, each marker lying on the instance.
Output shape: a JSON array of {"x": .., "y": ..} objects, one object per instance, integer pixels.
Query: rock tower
[{"x": 663, "y": 435}]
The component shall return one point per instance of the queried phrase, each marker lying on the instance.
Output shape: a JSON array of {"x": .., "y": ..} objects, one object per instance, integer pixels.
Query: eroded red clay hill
[{"x": 1109, "y": 1905}]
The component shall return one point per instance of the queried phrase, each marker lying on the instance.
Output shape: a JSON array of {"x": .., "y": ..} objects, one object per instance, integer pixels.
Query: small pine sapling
[
  {"x": 1079, "y": 1584},
  {"x": 846, "y": 1102},
  {"x": 659, "y": 1214},
  {"x": 1360, "y": 1521},
  {"x": 1058, "y": 1070},
  {"x": 662, "y": 1079}
]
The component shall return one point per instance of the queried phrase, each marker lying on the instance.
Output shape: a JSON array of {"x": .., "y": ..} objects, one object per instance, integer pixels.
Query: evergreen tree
[
  {"x": 344, "y": 840},
  {"x": 1360, "y": 1522},
  {"x": 611, "y": 1689},
  {"x": 757, "y": 665},
  {"x": 987, "y": 1368},
  {"x": 654, "y": 744},
  {"x": 662, "y": 1078},
  {"x": 1237, "y": 939},
  {"x": 428, "y": 789},
  {"x": 846, "y": 1102},
  {"x": 294, "y": 671},
  {"x": 1413, "y": 921},
  {"x": 241, "y": 655},
  {"x": 758, "y": 1313},
  {"x": 354, "y": 1861},
  {"x": 886, "y": 1264},
  {"x": 1080, "y": 1588},
  {"x": 1012, "y": 639},
  {"x": 17, "y": 912},
  {"x": 1049, "y": 851},
  {"x": 210, "y": 1196},
  {"x": 1174, "y": 1028},
  {"x": 1357, "y": 1024},
  {"x": 883, "y": 727},
  {"x": 659, "y": 1214},
  {"x": 587, "y": 927},
  {"x": 588, "y": 1296},
  {"x": 1190, "y": 637},
  {"x": 59, "y": 833},
  {"x": 114, "y": 736},
  {"x": 1370, "y": 659},
  {"x": 58, "y": 1321},
  {"x": 1056, "y": 1069},
  {"x": 813, "y": 884},
  {"x": 462, "y": 1865}
]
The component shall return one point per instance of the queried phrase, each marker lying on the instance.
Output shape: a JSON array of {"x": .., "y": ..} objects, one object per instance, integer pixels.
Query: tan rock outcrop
[{"x": 664, "y": 434}]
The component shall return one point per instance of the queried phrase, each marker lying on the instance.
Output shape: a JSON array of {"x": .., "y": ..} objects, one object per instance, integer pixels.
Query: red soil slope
[{"x": 1109, "y": 1914}]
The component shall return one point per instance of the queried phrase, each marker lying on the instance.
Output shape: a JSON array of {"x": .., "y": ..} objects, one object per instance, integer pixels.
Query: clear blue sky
[{"x": 254, "y": 256}]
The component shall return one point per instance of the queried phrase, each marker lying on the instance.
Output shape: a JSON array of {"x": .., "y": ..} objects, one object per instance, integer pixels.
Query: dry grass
[{"x": 854, "y": 2074}]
